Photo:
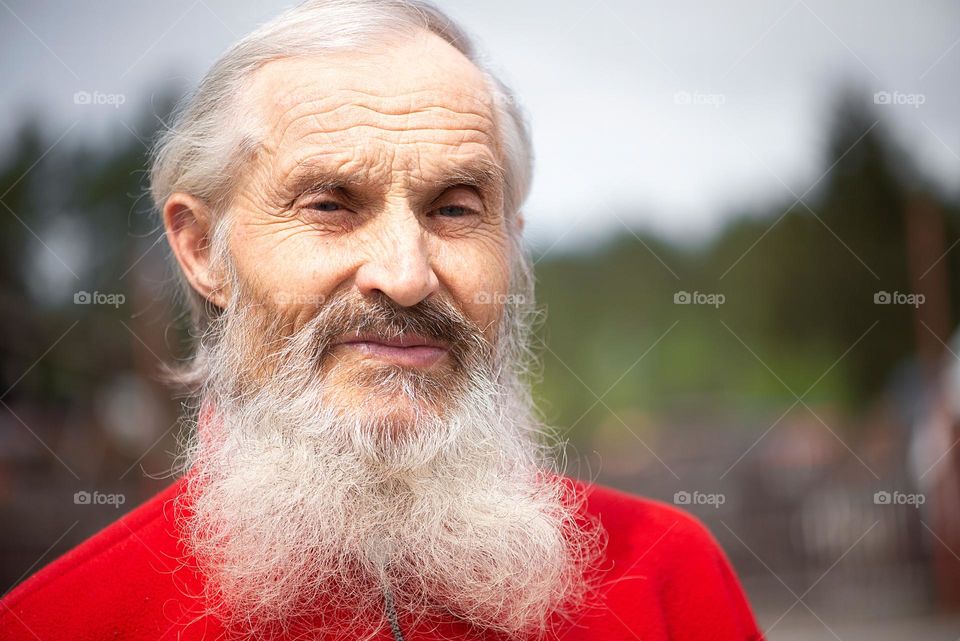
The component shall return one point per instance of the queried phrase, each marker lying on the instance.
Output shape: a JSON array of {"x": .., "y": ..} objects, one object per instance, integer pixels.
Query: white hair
[
  {"x": 306, "y": 506},
  {"x": 203, "y": 150}
]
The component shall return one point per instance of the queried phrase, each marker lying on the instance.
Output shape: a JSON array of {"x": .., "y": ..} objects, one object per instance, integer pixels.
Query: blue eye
[
  {"x": 325, "y": 205},
  {"x": 453, "y": 211}
]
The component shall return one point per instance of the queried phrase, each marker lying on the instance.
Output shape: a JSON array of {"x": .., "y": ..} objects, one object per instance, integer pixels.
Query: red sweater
[{"x": 665, "y": 578}]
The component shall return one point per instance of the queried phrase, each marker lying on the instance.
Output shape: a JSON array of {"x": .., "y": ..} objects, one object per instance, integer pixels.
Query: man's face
[{"x": 378, "y": 177}]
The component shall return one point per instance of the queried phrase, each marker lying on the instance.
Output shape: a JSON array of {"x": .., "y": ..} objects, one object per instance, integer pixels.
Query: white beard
[{"x": 304, "y": 507}]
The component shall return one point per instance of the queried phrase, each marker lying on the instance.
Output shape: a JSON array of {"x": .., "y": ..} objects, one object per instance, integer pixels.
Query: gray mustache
[{"x": 435, "y": 318}]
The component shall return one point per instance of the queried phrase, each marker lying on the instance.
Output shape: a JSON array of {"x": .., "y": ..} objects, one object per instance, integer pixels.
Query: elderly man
[{"x": 342, "y": 197}]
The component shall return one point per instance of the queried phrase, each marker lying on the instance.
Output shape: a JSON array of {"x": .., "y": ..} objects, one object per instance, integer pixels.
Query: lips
[{"x": 406, "y": 350}]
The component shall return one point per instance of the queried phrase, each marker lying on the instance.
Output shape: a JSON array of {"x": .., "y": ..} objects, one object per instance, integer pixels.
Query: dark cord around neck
[{"x": 391, "y": 613}]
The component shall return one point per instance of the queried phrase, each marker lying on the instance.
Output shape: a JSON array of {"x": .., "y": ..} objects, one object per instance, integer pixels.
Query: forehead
[{"x": 407, "y": 104}]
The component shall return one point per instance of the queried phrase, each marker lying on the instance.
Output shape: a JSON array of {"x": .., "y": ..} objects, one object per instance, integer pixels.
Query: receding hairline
[{"x": 365, "y": 75}]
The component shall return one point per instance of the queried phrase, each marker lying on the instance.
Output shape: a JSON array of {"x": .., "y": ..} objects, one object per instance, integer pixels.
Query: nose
[{"x": 399, "y": 264}]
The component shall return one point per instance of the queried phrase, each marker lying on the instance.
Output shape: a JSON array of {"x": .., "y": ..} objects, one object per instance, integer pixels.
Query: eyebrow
[
  {"x": 313, "y": 180},
  {"x": 481, "y": 173}
]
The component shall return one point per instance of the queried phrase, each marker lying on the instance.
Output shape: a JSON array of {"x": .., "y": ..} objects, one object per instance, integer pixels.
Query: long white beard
[{"x": 304, "y": 506}]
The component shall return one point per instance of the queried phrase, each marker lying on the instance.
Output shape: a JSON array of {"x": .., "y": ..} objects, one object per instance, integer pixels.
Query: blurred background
[{"x": 745, "y": 225}]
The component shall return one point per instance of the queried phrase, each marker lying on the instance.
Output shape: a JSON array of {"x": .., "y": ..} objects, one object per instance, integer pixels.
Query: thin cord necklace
[{"x": 391, "y": 613}]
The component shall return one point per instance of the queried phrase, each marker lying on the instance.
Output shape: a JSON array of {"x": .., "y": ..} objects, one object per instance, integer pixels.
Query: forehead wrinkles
[
  {"x": 367, "y": 135},
  {"x": 348, "y": 117}
]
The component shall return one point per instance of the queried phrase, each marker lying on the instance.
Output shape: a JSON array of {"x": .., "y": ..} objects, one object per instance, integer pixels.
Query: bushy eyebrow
[
  {"x": 314, "y": 180},
  {"x": 483, "y": 174}
]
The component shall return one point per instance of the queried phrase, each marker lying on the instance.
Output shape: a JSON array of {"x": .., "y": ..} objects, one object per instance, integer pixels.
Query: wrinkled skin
[{"x": 379, "y": 173}]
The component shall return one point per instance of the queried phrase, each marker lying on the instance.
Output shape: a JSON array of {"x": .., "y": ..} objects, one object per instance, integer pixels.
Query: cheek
[
  {"x": 288, "y": 266},
  {"x": 478, "y": 277}
]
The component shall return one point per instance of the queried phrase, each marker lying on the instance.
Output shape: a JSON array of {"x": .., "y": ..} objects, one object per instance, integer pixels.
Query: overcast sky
[{"x": 668, "y": 115}]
